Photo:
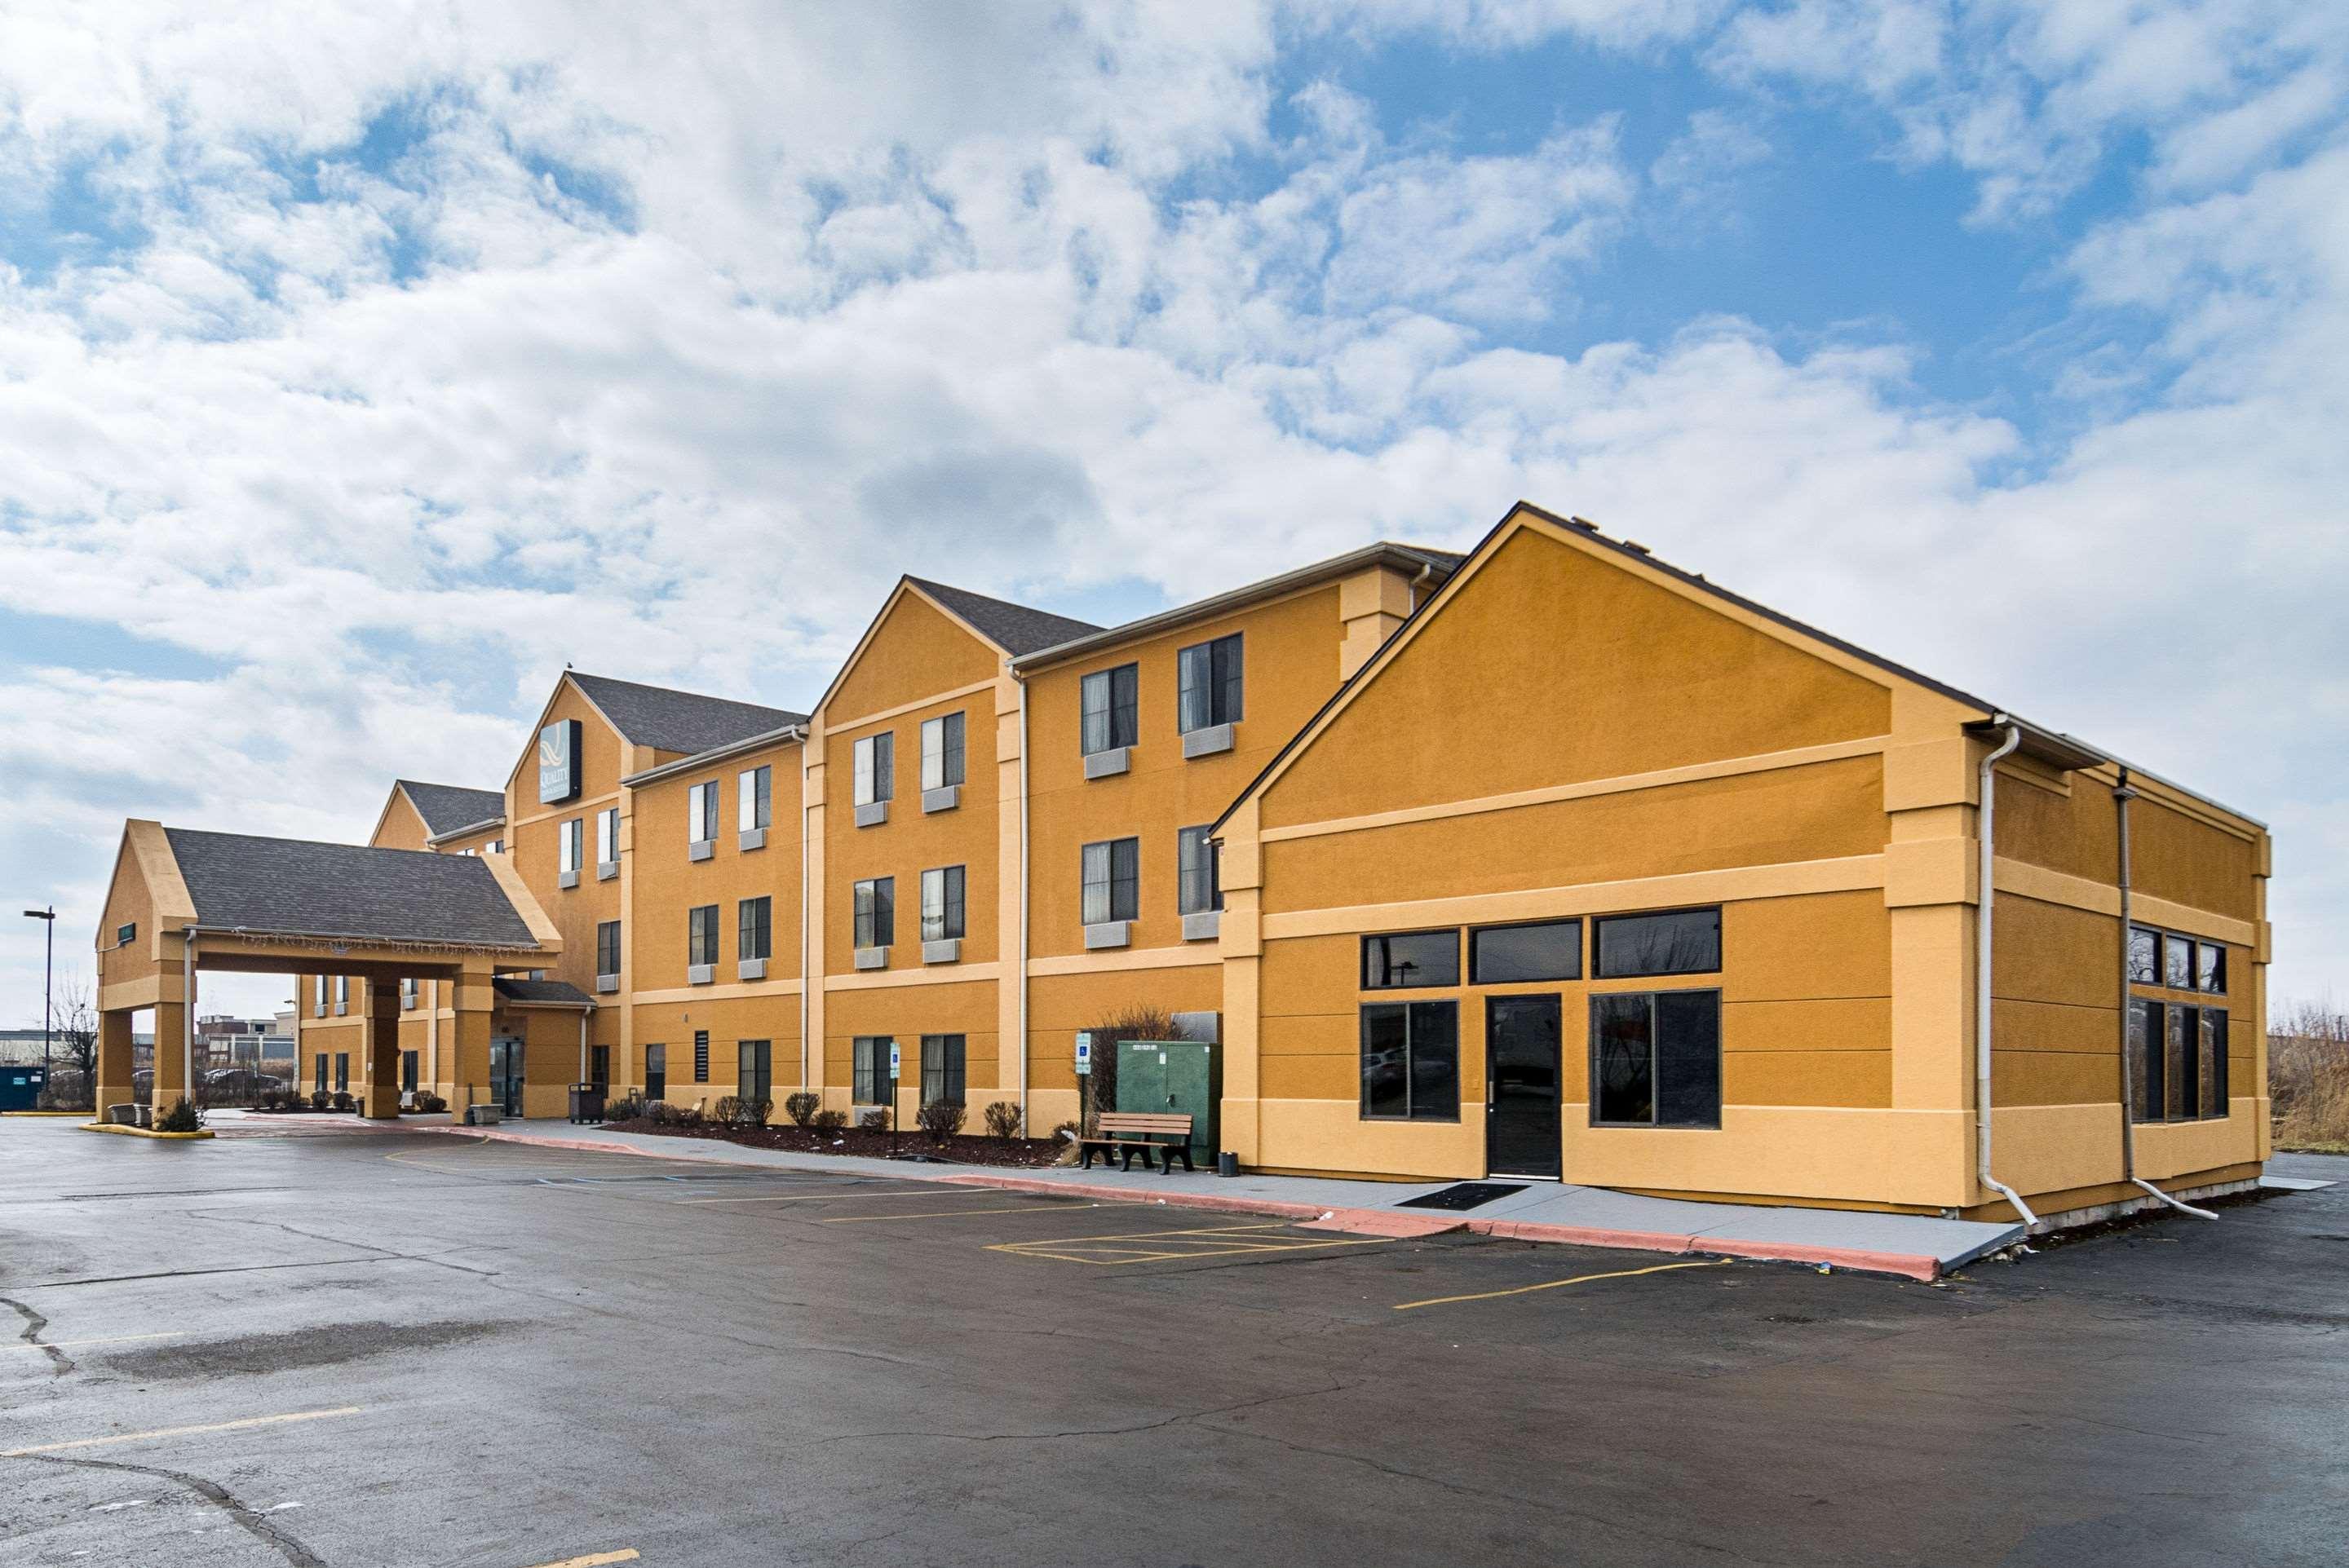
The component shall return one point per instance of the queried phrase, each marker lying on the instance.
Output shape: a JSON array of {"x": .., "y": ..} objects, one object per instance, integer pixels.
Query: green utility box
[{"x": 1174, "y": 1076}]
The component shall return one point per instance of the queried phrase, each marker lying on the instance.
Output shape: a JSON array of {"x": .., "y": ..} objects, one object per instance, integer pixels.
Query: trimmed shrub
[
  {"x": 829, "y": 1121},
  {"x": 628, "y": 1107},
  {"x": 801, "y": 1108},
  {"x": 183, "y": 1116},
  {"x": 874, "y": 1120},
  {"x": 343, "y": 1101},
  {"x": 941, "y": 1118},
  {"x": 1002, "y": 1118},
  {"x": 728, "y": 1109},
  {"x": 427, "y": 1101},
  {"x": 664, "y": 1114},
  {"x": 321, "y": 1100},
  {"x": 1068, "y": 1131},
  {"x": 748, "y": 1113}
]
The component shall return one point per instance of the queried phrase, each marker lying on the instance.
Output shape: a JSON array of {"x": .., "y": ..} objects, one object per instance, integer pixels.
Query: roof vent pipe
[
  {"x": 1985, "y": 896},
  {"x": 2122, "y": 796}
]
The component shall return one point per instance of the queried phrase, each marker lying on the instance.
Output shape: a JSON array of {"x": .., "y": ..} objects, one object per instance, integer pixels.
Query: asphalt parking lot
[{"x": 385, "y": 1348}]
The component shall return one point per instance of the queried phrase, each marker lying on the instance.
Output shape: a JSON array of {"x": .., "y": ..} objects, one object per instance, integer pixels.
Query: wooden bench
[{"x": 1132, "y": 1132}]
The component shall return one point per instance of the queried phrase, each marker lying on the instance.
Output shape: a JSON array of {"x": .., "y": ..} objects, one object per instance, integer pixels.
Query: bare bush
[
  {"x": 2308, "y": 1078},
  {"x": 801, "y": 1108},
  {"x": 941, "y": 1118},
  {"x": 874, "y": 1120},
  {"x": 1002, "y": 1118},
  {"x": 829, "y": 1121}
]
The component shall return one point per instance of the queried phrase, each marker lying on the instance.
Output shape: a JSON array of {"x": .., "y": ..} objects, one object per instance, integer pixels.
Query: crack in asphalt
[
  {"x": 251, "y": 1520},
  {"x": 1177, "y": 1418},
  {"x": 59, "y": 1362}
]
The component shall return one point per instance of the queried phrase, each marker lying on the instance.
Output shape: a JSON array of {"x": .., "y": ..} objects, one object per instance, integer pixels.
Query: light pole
[{"x": 48, "y": 955}]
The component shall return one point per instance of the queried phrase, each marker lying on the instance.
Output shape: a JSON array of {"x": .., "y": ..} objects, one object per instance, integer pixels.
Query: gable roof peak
[
  {"x": 667, "y": 719},
  {"x": 1015, "y": 628}
]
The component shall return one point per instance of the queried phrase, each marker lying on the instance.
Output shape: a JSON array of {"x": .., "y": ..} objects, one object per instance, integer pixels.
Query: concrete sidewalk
[{"x": 1914, "y": 1247}]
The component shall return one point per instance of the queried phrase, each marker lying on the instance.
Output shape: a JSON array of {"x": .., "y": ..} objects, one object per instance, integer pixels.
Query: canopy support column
[{"x": 381, "y": 1090}]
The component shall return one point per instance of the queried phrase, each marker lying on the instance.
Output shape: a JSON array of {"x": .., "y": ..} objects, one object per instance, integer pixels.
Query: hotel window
[
  {"x": 342, "y": 1072},
  {"x": 1112, "y": 708},
  {"x": 342, "y": 990},
  {"x": 125, "y": 934},
  {"x": 1113, "y": 881},
  {"x": 942, "y": 751},
  {"x": 573, "y": 835},
  {"x": 876, "y": 913},
  {"x": 1410, "y": 1061},
  {"x": 2211, "y": 968},
  {"x": 1655, "y": 1058},
  {"x": 701, "y": 1056},
  {"x": 876, "y": 768},
  {"x": 1209, "y": 682},
  {"x": 702, "y": 936},
  {"x": 1402, "y": 959},
  {"x": 1199, "y": 887},
  {"x": 2178, "y": 1056},
  {"x": 407, "y": 1068},
  {"x": 754, "y": 931},
  {"x": 319, "y": 1072},
  {"x": 599, "y": 1068},
  {"x": 607, "y": 947},
  {"x": 942, "y": 1069},
  {"x": 701, "y": 812},
  {"x": 1676, "y": 941},
  {"x": 756, "y": 805},
  {"x": 754, "y": 1069},
  {"x": 321, "y": 1003},
  {"x": 407, "y": 994},
  {"x": 942, "y": 903},
  {"x": 607, "y": 835},
  {"x": 494, "y": 847},
  {"x": 1519, "y": 954},
  {"x": 869, "y": 1070}
]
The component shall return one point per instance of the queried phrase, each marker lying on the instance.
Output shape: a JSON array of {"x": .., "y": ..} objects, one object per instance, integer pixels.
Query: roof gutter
[
  {"x": 1270, "y": 587},
  {"x": 374, "y": 940},
  {"x": 715, "y": 753},
  {"x": 497, "y": 822}
]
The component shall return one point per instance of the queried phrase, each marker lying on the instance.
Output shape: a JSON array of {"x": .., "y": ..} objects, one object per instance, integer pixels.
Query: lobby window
[
  {"x": 1113, "y": 881},
  {"x": 1655, "y": 1058},
  {"x": 407, "y": 1070},
  {"x": 702, "y": 936},
  {"x": 1208, "y": 680},
  {"x": 342, "y": 1072},
  {"x": 756, "y": 804},
  {"x": 569, "y": 844},
  {"x": 607, "y": 947},
  {"x": 607, "y": 836},
  {"x": 942, "y": 751},
  {"x": 754, "y": 929},
  {"x": 2178, "y": 1055},
  {"x": 701, "y": 1056},
  {"x": 942, "y": 903},
  {"x": 701, "y": 812},
  {"x": 876, "y": 768},
  {"x": 1410, "y": 1061},
  {"x": 1519, "y": 954},
  {"x": 942, "y": 1056},
  {"x": 1400, "y": 959},
  {"x": 1112, "y": 708},
  {"x": 1674, "y": 942},
  {"x": 2211, "y": 968},
  {"x": 2176, "y": 961},
  {"x": 754, "y": 1076},
  {"x": 1199, "y": 887},
  {"x": 876, "y": 913},
  {"x": 869, "y": 1070},
  {"x": 2145, "y": 956}
]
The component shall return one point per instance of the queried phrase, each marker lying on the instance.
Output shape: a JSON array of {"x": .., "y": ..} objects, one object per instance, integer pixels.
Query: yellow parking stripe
[
  {"x": 593, "y": 1558},
  {"x": 949, "y": 1213},
  {"x": 819, "y": 1197},
  {"x": 1209, "y": 1242},
  {"x": 181, "y": 1431},
  {"x": 1555, "y": 1284}
]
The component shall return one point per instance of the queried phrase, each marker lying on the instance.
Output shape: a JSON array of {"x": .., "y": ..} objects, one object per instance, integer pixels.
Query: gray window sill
[
  {"x": 700, "y": 973},
  {"x": 1108, "y": 934},
  {"x": 700, "y": 849},
  {"x": 751, "y": 839},
  {"x": 873, "y": 958},
  {"x": 946, "y": 950},
  {"x": 607, "y": 983},
  {"x": 566, "y": 879},
  {"x": 606, "y": 870},
  {"x": 1203, "y": 926},
  {"x": 752, "y": 969},
  {"x": 1207, "y": 742},
  {"x": 342, "y": 1008},
  {"x": 1109, "y": 764},
  {"x": 407, "y": 1003},
  {"x": 873, "y": 814},
  {"x": 944, "y": 798}
]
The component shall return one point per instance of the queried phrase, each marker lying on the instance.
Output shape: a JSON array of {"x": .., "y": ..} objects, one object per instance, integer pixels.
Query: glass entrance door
[
  {"x": 1521, "y": 1051},
  {"x": 505, "y": 1074}
]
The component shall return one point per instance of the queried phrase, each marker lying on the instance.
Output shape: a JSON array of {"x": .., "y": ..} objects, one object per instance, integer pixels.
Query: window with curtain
[
  {"x": 754, "y": 1070},
  {"x": 876, "y": 913},
  {"x": 1113, "y": 881},
  {"x": 754, "y": 933},
  {"x": 572, "y": 837},
  {"x": 942, "y": 751},
  {"x": 756, "y": 805},
  {"x": 701, "y": 812},
  {"x": 1112, "y": 708},
  {"x": 607, "y": 836},
  {"x": 701, "y": 934},
  {"x": 869, "y": 1070},
  {"x": 942, "y": 1056},
  {"x": 1199, "y": 887},
  {"x": 1208, "y": 678},
  {"x": 942, "y": 903},
  {"x": 607, "y": 947},
  {"x": 876, "y": 767}
]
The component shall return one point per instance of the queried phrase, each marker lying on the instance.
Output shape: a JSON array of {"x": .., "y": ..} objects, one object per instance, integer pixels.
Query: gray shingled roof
[
  {"x": 683, "y": 721},
  {"x": 561, "y": 991},
  {"x": 1015, "y": 628},
  {"x": 446, "y": 808},
  {"x": 355, "y": 891}
]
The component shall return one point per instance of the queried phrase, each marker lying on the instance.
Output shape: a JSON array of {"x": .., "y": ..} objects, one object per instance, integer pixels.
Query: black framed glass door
[
  {"x": 505, "y": 1074},
  {"x": 1521, "y": 1088}
]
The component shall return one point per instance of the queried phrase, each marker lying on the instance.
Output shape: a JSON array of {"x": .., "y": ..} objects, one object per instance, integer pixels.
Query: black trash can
[{"x": 587, "y": 1102}]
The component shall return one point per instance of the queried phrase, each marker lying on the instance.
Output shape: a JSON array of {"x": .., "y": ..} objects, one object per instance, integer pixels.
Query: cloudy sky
[{"x": 360, "y": 365}]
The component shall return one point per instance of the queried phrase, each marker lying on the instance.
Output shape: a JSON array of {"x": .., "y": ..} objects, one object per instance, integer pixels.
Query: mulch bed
[{"x": 960, "y": 1150}]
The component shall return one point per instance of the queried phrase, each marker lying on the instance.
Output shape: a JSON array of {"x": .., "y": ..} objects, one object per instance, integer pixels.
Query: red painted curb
[
  {"x": 1384, "y": 1222},
  {"x": 1907, "y": 1266}
]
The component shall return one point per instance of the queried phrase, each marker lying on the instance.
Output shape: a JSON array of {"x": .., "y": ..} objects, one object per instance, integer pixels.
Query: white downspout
[
  {"x": 1425, "y": 572},
  {"x": 2122, "y": 796},
  {"x": 806, "y": 979},
  {"x": 187, "y": 1017},
  {"x": 1025, "y": 856},
  {"x": 1986, "y": 898}
]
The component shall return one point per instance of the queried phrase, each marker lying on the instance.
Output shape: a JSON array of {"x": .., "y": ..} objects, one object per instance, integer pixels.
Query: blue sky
[{"x": 361, "y": 365}]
